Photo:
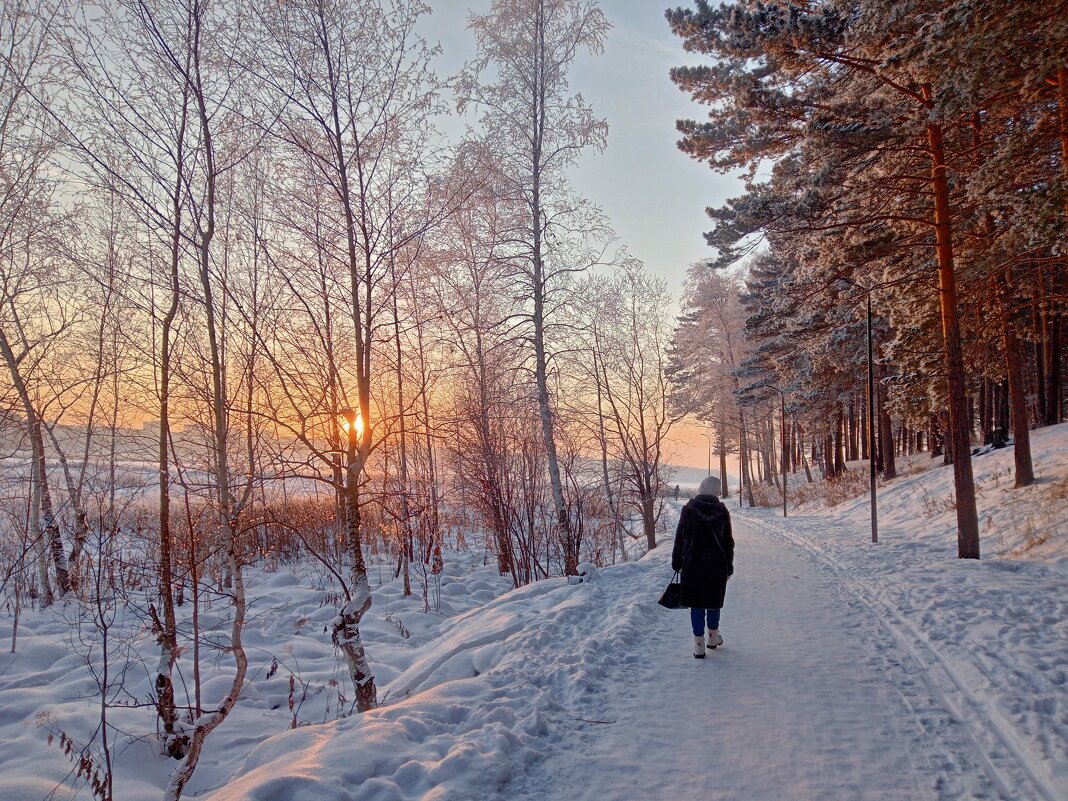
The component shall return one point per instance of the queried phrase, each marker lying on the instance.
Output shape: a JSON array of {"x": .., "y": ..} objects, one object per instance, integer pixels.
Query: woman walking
[{"x": 704, "y": 556}]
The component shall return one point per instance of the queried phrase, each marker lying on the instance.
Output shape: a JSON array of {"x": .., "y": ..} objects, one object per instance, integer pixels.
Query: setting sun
[{"x": 347, "y": 422}]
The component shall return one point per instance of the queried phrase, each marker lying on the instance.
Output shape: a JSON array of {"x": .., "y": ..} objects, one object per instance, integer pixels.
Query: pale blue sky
[{"x": 653, "y": 193}]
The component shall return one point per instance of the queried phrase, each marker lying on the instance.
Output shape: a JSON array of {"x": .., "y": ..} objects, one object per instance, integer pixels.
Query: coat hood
[{"x": 708, "y": 507}]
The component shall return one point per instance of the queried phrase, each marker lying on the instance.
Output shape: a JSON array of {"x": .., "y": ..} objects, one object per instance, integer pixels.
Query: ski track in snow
[
  {"x": 950, "y": 710},
  {"x": 804, "y": 701}
]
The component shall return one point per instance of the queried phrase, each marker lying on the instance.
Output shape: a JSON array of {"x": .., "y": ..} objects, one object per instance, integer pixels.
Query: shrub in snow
[{"x": 586, "y": 572}]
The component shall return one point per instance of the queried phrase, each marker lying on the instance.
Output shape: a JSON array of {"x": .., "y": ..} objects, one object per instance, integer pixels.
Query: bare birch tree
[
  {"x": 630, "y": 336},
  {"x": 28, "y": 221},
  {"x": 355, "y": 82},
  {"x": 538, "y": 129}
]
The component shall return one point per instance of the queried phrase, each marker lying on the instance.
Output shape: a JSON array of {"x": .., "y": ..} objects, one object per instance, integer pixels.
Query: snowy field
[{"x": 850, "y": 671}]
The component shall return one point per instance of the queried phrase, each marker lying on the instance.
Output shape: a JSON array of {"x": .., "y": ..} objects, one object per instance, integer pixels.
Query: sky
[{"x": 654, "y": 195}]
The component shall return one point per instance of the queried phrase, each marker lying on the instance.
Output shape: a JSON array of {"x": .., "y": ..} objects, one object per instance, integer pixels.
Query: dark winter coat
[{"x": 704, "y": 552}]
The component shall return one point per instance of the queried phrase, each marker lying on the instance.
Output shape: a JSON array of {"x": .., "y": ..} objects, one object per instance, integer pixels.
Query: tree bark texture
[
  {"x": 1021, "y": 432},
  {"x": 963, "y": 480}
]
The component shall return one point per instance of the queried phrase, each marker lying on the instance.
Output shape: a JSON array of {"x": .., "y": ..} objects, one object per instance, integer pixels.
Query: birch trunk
[
  {"x": 37, "y": 535},
  {"x": 53, "y": 541},
  {"x": 346, "y": 626}
]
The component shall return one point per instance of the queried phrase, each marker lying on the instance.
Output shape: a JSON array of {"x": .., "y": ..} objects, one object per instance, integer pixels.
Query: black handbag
[{"x": 672, "y": 597}]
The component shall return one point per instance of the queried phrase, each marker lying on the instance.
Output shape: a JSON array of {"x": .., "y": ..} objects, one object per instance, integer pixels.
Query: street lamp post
[
  {"x": 871, "y": 425},
  {"x": 740, "y": 488},
  {"x": 709, "y": 438},
  {"x": 871, "y": 412},
  {"x": 782, "y": 425}
]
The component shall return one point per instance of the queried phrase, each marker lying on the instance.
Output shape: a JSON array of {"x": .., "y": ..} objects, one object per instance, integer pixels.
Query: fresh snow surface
[
  {"x": 591, "y": 692},
  {"x": 46, "y": 687},
  {"x": 849, "y": 671}
]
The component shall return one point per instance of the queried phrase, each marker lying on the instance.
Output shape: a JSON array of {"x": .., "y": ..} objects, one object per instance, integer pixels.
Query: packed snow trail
[
  {"x": 574, "y": 691},
  {"x": 798, "y": 704}
]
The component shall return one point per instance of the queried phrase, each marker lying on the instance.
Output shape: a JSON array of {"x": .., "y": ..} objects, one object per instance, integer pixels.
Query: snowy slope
[
  {"x": 486, "y": 700},
  {"x": 46, "y": 687},
  {"x": 1031, "y": 522}
]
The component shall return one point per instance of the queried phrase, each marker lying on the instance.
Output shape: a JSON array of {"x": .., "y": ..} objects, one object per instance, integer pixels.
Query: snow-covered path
[
  {"x": 799, "y": 703},
  {"x": 823, "y": 691}
]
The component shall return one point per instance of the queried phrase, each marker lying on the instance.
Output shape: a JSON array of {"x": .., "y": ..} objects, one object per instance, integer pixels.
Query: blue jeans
[{"x": 697, "y": 619}]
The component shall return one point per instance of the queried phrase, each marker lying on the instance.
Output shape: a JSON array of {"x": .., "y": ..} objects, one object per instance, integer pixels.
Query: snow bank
[
  {"x": 481, "y": 703},
  {"x": 471, "y": 692},
  {"x": 46, "y": 687}
]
